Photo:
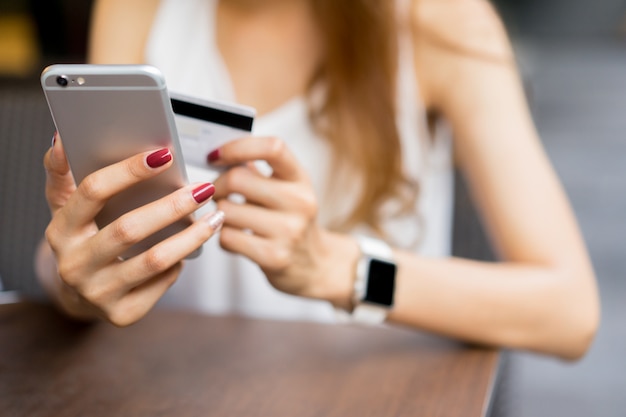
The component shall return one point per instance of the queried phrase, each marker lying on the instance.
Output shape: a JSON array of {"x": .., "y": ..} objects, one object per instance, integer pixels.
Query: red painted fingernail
[
  {"x": 213, "y": 155},
  {"x": 159, "y": 158},
  {"x": 203, "y": 192}
]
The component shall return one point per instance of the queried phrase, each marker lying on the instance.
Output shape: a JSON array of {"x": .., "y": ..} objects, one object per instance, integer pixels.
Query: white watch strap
[
  {"x": 375, "y": 247},
  {"x": 369, "y": 314}
]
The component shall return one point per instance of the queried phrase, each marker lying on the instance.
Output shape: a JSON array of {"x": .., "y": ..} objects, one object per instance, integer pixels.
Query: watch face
[{"x": 381, "y": 283}]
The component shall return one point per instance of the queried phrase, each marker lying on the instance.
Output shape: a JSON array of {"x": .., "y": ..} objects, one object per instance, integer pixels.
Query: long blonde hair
[{"x": 358, "y": 111}]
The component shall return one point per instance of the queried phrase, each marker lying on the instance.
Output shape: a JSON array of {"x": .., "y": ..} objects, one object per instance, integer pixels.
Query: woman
[{"x": 349, "y": 88}]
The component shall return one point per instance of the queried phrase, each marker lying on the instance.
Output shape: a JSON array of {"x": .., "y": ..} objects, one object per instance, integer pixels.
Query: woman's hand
[
  {"x": 89, "y": 279},
  {"x": 276, "y": 226}
]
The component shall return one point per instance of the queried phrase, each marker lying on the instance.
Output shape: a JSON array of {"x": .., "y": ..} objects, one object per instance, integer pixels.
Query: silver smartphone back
[{"x": 106, "y": 113}]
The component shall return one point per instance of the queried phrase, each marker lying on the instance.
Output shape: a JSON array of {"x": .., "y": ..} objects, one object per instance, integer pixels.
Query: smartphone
[
  {"x": 204, "y": 125},
  {"x": 107, "y": 113}
]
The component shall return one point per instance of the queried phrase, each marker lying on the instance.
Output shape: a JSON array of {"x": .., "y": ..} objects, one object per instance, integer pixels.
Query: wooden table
[{"x": 188, "y": 364}]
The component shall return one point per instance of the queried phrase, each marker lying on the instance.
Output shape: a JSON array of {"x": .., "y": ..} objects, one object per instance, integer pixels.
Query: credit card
[{"x": 204, "y": 125}]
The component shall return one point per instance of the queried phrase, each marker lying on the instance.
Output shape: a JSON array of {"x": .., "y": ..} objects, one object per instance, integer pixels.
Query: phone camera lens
[{"x": 62, "y": 80}]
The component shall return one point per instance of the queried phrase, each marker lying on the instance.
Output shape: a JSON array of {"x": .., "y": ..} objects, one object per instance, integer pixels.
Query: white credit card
[{"x": 204, "y": 125}]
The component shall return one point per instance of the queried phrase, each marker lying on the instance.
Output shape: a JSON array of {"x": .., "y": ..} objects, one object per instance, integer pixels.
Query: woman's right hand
[{"x": 83, "y": 270}]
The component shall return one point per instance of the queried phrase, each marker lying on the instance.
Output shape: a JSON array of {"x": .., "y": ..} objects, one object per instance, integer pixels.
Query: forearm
[
  {"x": 537, "y": 308},
  {"x": 547, "y": 309},
  {"x": 61, "y": 295}
]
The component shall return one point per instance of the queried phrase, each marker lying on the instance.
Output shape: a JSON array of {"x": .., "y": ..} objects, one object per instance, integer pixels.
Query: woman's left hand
[{"x": 276, "y": 225}]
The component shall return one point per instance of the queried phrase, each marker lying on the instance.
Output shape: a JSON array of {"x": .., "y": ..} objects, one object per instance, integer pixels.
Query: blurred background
[
  {"x": 572, "y": 56},
  {"x": 572, "y": 53}
]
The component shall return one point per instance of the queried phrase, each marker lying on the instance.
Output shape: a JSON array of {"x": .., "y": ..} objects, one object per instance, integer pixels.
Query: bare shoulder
[
  {"x": 460, "y": 25},
  {"x": 119, "y": 30},
  {"x": 452, "y": 37}
]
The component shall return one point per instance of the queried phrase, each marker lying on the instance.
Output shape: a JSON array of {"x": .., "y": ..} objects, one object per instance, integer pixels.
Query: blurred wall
[
  {"x": 34, "y": 33},
  {"x": 565, "y": 17}
]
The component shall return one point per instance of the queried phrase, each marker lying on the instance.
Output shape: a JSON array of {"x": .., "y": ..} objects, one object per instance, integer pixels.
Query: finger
[
  {"x": 167, "y": 253},
  {"x": 263, "y": 222},
  {"x": 98, "y": 187},
  {"x": 272, "y": 150},
  {"x": 55, "y": 160},
  {"x": 113, "y": 281},
  {"x": 267, "y": 192},
  {"x": 59, "y": 181},
  {"x": 138, "y": 302},
  {"x": 265, "y": 252},
  {"x": 135, "y": 226}
]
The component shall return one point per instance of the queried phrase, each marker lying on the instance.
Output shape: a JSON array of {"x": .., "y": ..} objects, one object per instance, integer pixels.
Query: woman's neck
[{"x": 271, "y": 49}]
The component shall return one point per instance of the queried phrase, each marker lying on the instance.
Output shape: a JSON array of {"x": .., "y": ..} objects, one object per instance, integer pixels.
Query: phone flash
[{"x": 80, "y": 80}]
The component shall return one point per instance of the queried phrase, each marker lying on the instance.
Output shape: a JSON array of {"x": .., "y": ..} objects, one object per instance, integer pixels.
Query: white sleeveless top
[{"x": 182, "y": 45}]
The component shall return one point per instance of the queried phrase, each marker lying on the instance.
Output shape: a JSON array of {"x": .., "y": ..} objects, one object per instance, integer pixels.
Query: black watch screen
[{"x": 380, "y": 283}]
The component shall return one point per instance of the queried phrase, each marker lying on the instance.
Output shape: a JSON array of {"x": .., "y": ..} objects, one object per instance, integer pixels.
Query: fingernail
[
  {"x": 213, "y": 155},
  {"x": 159, "y": 158},
  {"x": 216, "y": 220},
  {"x": 203, "y": 192},
  {"x": 54, "y": 140}
]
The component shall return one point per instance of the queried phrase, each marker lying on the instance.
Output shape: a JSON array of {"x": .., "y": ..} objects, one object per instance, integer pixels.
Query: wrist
[
  {"x": 340, "y": 257},
  {"x": 373, "y": 284}
]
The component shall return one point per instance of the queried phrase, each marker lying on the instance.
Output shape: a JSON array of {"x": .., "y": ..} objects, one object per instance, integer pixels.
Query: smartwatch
[{"x": 375, "y": 281}]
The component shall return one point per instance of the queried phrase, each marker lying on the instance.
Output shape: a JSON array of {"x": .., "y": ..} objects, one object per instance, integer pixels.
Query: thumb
[{"x": 59, "y": 180}]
